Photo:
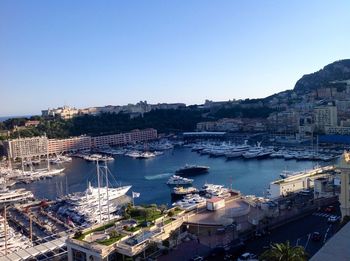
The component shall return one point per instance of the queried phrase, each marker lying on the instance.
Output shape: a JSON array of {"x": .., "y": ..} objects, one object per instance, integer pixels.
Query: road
[{"x": 298, "y": 233}]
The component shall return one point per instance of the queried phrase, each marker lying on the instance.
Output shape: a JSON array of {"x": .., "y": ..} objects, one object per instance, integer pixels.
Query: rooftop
[{"x": 214, "y": 200}]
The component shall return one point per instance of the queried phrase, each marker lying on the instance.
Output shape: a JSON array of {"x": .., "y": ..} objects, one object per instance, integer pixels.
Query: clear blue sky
[{"x": 94, "y": 53}]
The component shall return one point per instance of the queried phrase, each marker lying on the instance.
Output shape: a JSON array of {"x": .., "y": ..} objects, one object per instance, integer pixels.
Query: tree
[
  {"x": 78, "y": 234},
  {"x": 173, "y": 236},
  {"x": 171, "y": 213},
  {"x": 162, "y": 208},
  {"x": 285, "y": 252},
  {"x": 113, "y": 234}
]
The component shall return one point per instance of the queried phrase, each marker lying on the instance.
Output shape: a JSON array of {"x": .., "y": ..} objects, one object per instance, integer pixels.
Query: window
[{"x": 78, "y": 255}]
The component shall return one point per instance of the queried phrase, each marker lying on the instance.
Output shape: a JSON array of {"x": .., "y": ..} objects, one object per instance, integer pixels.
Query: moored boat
[{"x": 192, "y": 170}]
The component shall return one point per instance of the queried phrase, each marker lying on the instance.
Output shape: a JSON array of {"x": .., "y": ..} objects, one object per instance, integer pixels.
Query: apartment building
[
  {"x": 40, "y": 146},
  {"x": 124, "y": 138},
  {"x": 306, "y": 125},
  {"x": 57, "y": 146},
  {"x": 325, "y": 116},
  {"x": 225, "y": 124},
  {"x": 26, "y": 147},
  {"x": 284, "y": 121}
]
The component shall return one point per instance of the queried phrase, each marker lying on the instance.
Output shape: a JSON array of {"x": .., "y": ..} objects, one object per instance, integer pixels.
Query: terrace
[{"x": 130, "y": 236}]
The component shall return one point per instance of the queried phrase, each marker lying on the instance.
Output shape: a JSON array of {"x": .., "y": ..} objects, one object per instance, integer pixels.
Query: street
[{"x": 298, "y": 233}]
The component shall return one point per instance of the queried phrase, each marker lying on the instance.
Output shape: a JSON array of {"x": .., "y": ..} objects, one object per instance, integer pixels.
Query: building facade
[
  {"x": 57, "y": 146},
  {"x": 325, "y": 116},
  {"x": 124, "y": 138},
  {"x": 40, "y": 146},
  {"x": 64, "y": 112},
  {"x": 344, "y": 197},
  {"x": 26, "y": 147}
]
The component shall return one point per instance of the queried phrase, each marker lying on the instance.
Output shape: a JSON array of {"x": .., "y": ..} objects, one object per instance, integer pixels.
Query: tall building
[
  {"x": 325, "y": 116},
  {"x": 284, "y": 122},
  {"x": 26, "y": 147},
  {"x": 306, "y": 125},
  {"x": 344, "y": 197}
]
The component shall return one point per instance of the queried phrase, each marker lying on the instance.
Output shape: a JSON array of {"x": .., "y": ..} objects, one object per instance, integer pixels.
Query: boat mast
[
  {"x": 9, "y": 161},
  {"x": 5, "y": 229},
  {"x": 106, "y": 172},
  {"x": 66, "y": 186},
  {"x": 47, "y": 154},
  {"x": 98, "y": 189},
  {"x": 20, "y": 149}
]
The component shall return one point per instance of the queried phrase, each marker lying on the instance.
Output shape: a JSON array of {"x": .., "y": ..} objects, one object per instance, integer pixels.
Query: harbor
[
  {"x": 103, "y": 186},
  {"x": 146, "y": 174}
]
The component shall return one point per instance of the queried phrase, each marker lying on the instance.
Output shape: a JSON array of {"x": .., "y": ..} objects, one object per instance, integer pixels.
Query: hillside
[{"x": 337, "y": 71}]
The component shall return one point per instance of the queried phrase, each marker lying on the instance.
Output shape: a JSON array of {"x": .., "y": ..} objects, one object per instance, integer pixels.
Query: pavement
[{"x": 185, "y": 251}]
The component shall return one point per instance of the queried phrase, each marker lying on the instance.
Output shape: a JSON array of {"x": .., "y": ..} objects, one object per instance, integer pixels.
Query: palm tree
[{"x": 285, "y": 252}]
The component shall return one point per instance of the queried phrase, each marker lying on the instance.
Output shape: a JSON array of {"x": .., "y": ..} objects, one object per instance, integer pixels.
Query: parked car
[
  {"x": 316, "y": 236},
  {"x": 218, "y": 252},
  {"x": 332, "y": 219},
  {"x": 329, "y": 209},
  {"x": 247, "y": 256},
  {"x": 197, "y": 258}
]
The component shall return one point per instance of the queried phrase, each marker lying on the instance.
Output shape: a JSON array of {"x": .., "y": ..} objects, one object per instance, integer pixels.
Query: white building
[
  {"x": 325, "y": 116},
  {"x": 26, "y": 147},
  {"x": 296, "y": 183},
  {"x": 64, "y": 112},
  {"x": 215, "y": 203}
]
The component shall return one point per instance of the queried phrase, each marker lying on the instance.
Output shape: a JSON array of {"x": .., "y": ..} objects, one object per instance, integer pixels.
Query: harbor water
[{"x": 148, "y": 176}]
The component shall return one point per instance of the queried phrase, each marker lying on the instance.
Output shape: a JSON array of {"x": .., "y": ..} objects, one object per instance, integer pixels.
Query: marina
[
  {"x": 145, "y": 175},
  {"x": 84, "y": 196}
]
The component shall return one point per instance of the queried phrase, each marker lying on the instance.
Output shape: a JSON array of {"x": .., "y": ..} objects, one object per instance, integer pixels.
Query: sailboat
[
  {"x": 95, "y": 204},
  {"x": 35, "y": 174}
]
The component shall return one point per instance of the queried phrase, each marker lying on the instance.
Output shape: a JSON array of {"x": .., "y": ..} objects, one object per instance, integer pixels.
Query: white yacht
[
  {"x": 237, "y": 151},
  {"x": 90, "y": 195},
  {"x": 189, "y": 201},
  {"x": 146, "y": 155},
  {"x": 14, "y": 240},
  {"x": 252, "y": 153},
  {"x": 257, "y": 152},
  {"x": 60, "y": 159},
  {"x": 212, "y": 190},
  {"x": 8, "y": 196},
  {"x": 87, "y": 204},
  {"x": 97, "y": 157},
  {"x": 133, "y": 154},
  {"x": 95, "y": 204},
  {"x": 177, "y": 180}
]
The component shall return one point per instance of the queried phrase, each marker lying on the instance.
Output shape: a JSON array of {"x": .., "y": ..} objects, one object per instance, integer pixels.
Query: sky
[{"x": 95, "y": 53}]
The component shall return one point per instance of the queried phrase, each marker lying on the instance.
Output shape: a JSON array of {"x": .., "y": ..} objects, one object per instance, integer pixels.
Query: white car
[
  {"x": 247, "y": 256},
  {"x": 333, "y": 219}
]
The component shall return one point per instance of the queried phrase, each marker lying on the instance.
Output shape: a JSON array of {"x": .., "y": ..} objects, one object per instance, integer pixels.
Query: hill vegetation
[
  {"x": 337, "y": 71},
  {"x": 165, "y": 121}
]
